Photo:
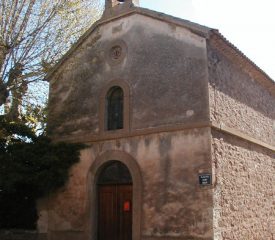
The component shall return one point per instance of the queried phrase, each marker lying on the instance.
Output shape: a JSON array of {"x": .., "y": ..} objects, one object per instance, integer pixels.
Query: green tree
[
  {"x": 31, "y": 167},
  {"x": 34, "y": 34}
]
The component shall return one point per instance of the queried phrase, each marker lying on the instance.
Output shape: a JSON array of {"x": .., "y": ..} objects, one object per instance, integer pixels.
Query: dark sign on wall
[{"x": 205, "y": 179}]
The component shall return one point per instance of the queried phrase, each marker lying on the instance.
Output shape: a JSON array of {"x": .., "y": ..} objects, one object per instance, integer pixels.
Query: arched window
[{"x": 114, "y": 108}]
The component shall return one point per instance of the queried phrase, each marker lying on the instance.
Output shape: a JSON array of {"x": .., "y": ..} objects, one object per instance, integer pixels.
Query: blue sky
[{"x": 248, "y": 24}]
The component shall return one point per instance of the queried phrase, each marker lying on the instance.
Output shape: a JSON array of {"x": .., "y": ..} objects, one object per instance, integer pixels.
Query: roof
[{"x": 213, "y": 35}]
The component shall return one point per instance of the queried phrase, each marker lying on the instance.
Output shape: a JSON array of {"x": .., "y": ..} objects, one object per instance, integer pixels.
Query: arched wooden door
[{"x": 115, "y": 202}]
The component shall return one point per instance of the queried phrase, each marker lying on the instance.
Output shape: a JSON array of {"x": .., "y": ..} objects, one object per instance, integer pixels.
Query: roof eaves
[
  {"x": 193, "y": 27},
  {"x": 231, "y": 51}
]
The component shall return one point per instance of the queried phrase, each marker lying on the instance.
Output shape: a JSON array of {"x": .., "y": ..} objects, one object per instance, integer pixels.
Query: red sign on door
[{"x": 126, "y": 206}]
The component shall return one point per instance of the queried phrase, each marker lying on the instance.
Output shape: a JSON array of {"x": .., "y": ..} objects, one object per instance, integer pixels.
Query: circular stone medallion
[{"x": 116, "y": 52}]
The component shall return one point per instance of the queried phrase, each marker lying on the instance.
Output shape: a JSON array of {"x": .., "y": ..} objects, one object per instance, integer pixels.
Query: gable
[
  {"x": 216, "y": 39},
  {"x": 153, "y": 17},
  {"x": 161, "y": 62}
]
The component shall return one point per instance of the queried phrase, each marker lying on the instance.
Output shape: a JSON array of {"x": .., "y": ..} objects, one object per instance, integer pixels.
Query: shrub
[{"x": 30, "y": 167}]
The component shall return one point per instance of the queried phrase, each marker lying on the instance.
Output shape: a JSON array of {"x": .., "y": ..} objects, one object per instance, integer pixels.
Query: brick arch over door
[{"x": 134, "y": 169}]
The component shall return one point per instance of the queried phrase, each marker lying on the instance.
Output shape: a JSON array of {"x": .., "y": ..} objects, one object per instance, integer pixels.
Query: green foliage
[{"x": 30, "y": 167}]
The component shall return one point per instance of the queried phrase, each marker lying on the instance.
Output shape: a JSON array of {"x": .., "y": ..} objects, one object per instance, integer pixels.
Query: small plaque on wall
[{"x": 205, "y": 179}]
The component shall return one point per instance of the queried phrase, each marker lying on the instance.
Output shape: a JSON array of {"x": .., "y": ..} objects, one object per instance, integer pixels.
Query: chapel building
[{"x": 179, "y": 127}]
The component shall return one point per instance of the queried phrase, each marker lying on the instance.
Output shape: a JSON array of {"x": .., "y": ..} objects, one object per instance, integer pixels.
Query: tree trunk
[
  {"x": 18, "y": 92},
  {"x": 4, "y": 93}
]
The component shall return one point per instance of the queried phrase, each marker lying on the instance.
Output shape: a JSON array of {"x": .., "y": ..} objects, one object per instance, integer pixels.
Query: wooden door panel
[
  {"x": 125, "y": 212},
  {"x": 115, "y": 212},
  {"x": 107, "y": 220}
]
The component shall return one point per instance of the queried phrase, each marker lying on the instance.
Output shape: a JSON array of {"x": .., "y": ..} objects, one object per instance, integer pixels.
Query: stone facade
[
  {"x": 244, "y": 172},
  {"x": 190, "y": 108},
  {"x": 244, "y": 191},
  {"x": 238, "y": 100}
]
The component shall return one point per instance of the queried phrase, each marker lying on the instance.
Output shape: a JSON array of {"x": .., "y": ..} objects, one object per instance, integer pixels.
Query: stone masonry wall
[
  {"x": 244, "y": 192},
  {"x": 239, "y": 101}
]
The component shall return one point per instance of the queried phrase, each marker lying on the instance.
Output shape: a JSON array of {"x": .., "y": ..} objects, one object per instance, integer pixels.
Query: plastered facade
[
  {"x": 77, "y": 85},
  {"x": 176, "y": 85},
  {"x": 165, "y": 168}
]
